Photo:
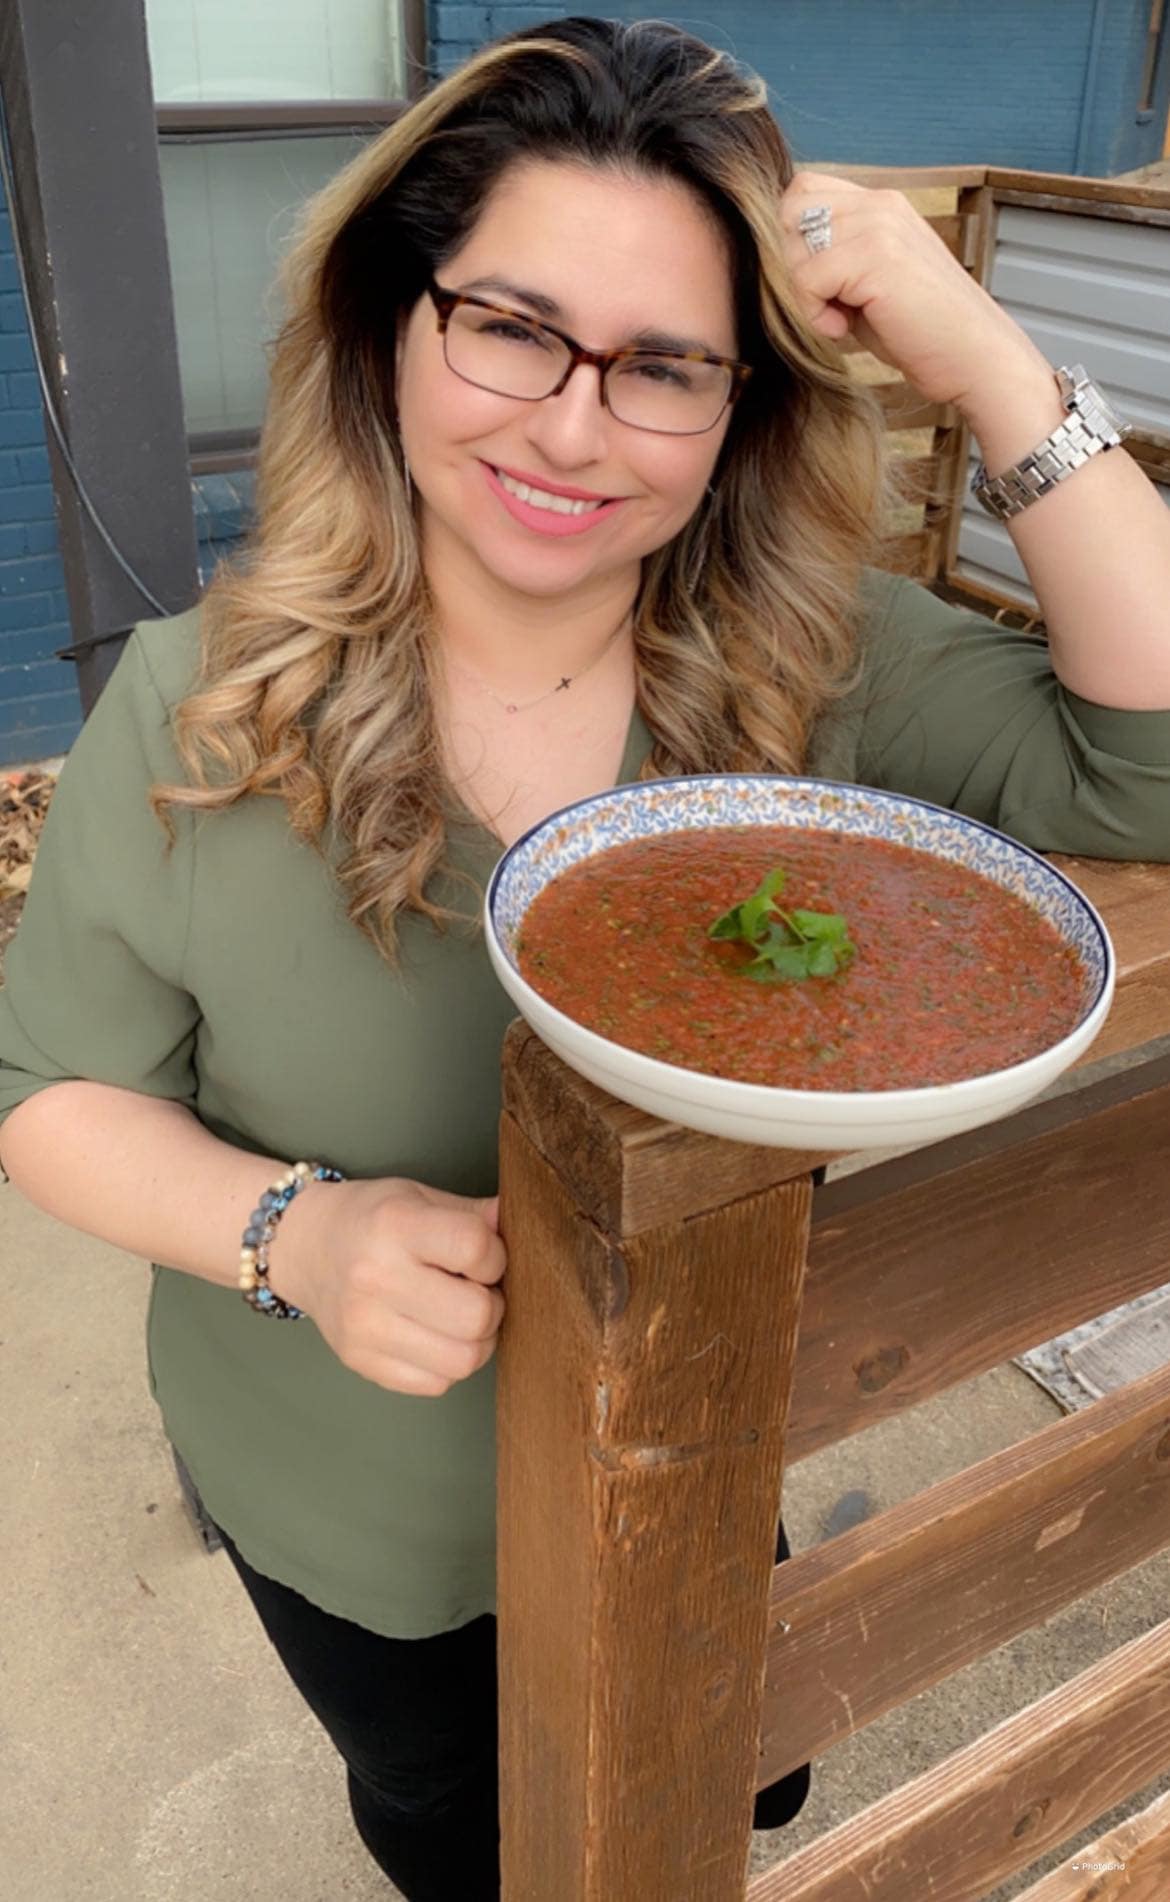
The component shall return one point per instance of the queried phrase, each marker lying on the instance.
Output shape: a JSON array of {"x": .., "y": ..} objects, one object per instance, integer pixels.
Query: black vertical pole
[{"x": 87, "y": 206}]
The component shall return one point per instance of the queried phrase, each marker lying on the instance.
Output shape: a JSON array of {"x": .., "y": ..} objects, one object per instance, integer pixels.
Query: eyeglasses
[{"x": 680, "y": 393}]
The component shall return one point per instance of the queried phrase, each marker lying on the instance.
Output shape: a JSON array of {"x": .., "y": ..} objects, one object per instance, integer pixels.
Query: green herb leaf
[
  {"x": 729, "y": 926},
  {"x": 822, "y": 961},
  {"x": 780, "y": 961},
  {"x": 788, "y": 946},
  {"x": 824, "y": 927}
]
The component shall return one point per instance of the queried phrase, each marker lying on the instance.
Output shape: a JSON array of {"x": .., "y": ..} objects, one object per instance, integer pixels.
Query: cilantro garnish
[{"x": 788, "y": 945}]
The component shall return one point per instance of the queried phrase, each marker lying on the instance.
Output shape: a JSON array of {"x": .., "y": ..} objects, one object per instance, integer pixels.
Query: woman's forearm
[
  {"x": 1097, "y": 548},
  {"x": 142, "y": 1173}
]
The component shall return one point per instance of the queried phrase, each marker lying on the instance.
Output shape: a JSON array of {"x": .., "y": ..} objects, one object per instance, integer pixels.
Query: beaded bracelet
[{"x": 262, "y": 1226}]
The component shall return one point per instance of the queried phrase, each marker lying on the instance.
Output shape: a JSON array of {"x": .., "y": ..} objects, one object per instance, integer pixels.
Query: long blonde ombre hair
[{"x": 316, "y": 670}]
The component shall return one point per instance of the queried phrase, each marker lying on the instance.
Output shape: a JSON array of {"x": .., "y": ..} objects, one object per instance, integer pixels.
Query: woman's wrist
[{"x": 295, "y": 1249}]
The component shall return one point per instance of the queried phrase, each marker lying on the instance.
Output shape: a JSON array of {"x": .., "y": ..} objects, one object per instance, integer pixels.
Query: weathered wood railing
[{"x": 685, "y": 1318}]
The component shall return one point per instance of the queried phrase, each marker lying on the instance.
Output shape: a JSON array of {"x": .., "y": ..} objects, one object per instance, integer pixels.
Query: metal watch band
[{"x": 1092, "y": 425}]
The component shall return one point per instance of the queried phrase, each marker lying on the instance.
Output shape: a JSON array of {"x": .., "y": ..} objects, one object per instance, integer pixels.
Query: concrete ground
[{"x": 153, "y": 1750}]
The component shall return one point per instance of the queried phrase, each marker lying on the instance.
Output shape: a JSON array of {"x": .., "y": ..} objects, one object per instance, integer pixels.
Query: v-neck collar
[{"x": 480, "y": 837}]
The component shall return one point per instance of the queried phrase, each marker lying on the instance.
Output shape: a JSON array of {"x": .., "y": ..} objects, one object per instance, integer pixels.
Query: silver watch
[{"x": 1093, "y": 424}]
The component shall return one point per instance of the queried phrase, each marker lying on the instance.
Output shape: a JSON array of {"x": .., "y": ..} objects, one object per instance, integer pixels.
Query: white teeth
[{"x": 541, "y": 499}]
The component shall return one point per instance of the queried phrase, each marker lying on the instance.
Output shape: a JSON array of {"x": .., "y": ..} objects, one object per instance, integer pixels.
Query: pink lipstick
[{"x": 549, "y": 521}]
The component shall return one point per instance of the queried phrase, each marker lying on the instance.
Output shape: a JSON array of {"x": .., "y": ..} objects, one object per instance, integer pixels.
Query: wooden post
[{"x": 653, "y": 1286}]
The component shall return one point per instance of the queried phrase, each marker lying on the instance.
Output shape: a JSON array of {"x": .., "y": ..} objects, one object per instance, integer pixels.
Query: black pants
[{"x": 415, "y": 1722}]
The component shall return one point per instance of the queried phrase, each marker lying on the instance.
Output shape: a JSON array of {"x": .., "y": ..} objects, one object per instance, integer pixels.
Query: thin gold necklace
[{"x": 562, "y": 686}]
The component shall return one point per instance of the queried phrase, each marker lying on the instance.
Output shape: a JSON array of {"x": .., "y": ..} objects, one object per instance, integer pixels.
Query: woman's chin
[{"x": 547, "y": 571}]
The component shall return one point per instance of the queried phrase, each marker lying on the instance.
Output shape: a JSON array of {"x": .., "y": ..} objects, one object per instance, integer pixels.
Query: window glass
[
  {"x": 228, "y": 52},
  {"x": 230, "y": 211}
]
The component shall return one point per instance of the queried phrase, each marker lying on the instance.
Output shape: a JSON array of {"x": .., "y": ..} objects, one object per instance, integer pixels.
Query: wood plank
[
  {"x": 629, "y": 1171},
  {"x": 1155, "y": 211},
  {"x": 1150, "y": 449},
  {"x": 866, "y": 1621},
  {"x": 952, "y": 229},
  {"x": 644, "y": 1383},
  {"x": 1134, "y": 900},
  {"x": 1054, "y": 190},
  {"x": 1000, "y": 1803},
  {"x": 1131, "y": 1861},
  {"x": 1068, "y": 190},
  {"x": 915, "y": 1275},
  {"x": 910, "y": 178}
]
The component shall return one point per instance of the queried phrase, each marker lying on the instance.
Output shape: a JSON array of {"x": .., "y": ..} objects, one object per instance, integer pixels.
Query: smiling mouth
[{"x": 544, "y": 499}]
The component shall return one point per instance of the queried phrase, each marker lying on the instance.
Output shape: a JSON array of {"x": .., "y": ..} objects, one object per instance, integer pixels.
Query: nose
[{"x": 572, "y": 429}]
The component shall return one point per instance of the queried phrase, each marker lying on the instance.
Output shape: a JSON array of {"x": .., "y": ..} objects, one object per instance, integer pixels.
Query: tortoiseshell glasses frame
[{"x": 447, "y": 302}]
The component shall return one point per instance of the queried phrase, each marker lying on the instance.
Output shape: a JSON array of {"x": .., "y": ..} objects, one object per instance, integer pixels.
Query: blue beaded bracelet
[{"x": 262, "y": 1226}]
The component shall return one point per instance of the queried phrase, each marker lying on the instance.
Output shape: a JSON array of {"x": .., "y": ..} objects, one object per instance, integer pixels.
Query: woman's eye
[
  {"x": 510, "y": 333},
  {"x": 656, "y": 371}
]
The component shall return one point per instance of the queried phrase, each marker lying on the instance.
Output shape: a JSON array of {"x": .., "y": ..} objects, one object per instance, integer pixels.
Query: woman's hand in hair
[
  {"x": 890, "y": 282},
  {"x": 400, "y": 1278}
]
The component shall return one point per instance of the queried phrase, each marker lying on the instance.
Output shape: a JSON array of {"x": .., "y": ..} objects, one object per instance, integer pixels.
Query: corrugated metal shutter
[{"x": 1087, "y": 290}]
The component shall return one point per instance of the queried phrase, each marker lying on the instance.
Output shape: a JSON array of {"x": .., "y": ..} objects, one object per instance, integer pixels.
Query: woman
[{"x": 495, "y": 570}]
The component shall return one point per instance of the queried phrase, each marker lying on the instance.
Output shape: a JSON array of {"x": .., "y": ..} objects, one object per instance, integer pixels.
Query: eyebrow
[{"x": 646, "y": 339}]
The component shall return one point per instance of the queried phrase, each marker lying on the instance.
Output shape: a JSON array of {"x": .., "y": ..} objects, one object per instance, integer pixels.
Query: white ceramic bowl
[{"x": 758, "y": 1113}]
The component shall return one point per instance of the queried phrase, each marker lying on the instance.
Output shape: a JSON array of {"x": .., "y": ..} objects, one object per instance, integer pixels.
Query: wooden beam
[
  {"x": 934, "y": 1267},
  {"x": 629, "y": 1171},
  {"x": 1129, "y": 1863},
  {"x": 992, "y": 1808},
  {"x": 1134, "y": 900},
  {"x": 643, "y": 1388},
  {"x": 866, "y": 1621},
  {"x": 1083, "y": 197}
]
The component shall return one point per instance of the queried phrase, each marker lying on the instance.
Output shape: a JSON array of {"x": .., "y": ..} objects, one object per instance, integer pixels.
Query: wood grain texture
[
  {"x": 644, "y": 1385},
  {"x": 997, "y": 1805},
  {"x": 943, "y": 1263},
  {"x": 865, "y": 1621},
  {"x": 1152, "y": 207},
  {"x": 1063, "y": 188},
  {"x": 629, "y": 1171},
  {"x": 1130, "y": 1863},
  {"x": 1134, "y": 900}
]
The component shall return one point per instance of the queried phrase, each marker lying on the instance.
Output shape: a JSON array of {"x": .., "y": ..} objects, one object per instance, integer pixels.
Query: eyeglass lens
[{"x": 513, "y": 357}]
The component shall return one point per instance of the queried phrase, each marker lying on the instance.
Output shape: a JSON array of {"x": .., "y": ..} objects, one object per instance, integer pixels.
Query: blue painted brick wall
[
  {"x": 40, "y": 707},
  {"x": 922, "y": 82}
]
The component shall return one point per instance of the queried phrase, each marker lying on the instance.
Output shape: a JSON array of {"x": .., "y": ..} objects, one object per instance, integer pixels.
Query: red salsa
[{"x": 953, "y": 976}]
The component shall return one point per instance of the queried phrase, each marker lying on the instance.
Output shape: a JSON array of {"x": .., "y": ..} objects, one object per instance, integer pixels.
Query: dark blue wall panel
[{"x": 1049, "y": 86}]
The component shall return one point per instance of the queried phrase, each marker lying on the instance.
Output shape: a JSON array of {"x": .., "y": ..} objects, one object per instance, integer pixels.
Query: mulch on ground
[{"x": 24, "y": 800}]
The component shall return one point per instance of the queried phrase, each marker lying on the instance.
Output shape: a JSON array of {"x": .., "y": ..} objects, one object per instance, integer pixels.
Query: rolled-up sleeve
[
  {"x": 970, "y": 715},
  {"x": 93, "y": 983}
]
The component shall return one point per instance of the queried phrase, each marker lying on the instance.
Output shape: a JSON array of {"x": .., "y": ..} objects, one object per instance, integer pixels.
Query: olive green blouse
[{"x": 227, "y": 977}]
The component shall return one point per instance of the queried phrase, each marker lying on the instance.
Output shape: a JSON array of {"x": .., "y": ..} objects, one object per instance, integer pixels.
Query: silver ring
[{"x": 816, "y": 224}]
